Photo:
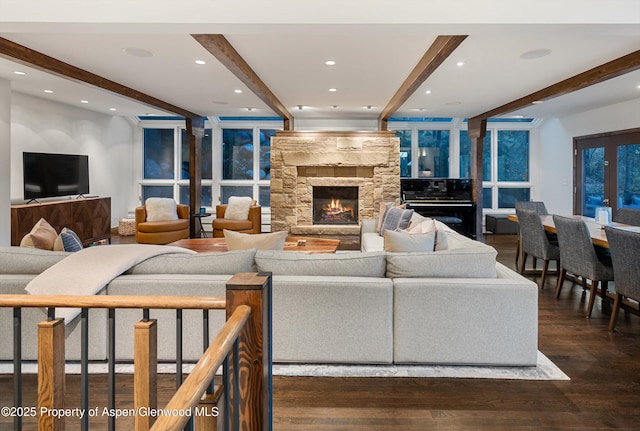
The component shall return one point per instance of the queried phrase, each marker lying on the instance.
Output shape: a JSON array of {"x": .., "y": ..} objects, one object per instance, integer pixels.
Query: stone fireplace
[{"x": 362, "y": 168}]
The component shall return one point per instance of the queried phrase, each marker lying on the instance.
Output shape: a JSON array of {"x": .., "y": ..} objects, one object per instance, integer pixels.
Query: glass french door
[{"x": 607, "y": 171}]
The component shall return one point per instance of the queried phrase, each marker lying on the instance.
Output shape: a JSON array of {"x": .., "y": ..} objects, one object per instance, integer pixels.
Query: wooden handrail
[
  {"x": 192, "y": 389},
  {"x": 113, "y": 301}
]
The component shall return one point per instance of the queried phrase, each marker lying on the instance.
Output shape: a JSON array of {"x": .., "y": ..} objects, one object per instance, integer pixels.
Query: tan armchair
[
  {"x": 252, "y": 225},
  {"x": 162, "y": 232}
]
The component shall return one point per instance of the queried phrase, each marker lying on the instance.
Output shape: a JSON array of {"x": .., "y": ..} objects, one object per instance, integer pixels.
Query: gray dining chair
[
  {"x": 625, "y": 255},
  {"x": 627, "y": 216},
  {"x": 535, "y": 242},
  {"x": 578, "y": 257},
  {"x": 541, "y": 209}
]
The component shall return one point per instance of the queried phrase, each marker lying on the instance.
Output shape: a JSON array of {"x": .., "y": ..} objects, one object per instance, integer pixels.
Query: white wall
[
  {"x": 553, "y": 158},
  {"x": 5, "y": 157},
  {"x": 39, "y": 125}
]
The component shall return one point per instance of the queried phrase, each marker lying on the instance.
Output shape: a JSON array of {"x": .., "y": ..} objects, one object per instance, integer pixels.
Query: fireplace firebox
[{"x": 335, "y": 205}]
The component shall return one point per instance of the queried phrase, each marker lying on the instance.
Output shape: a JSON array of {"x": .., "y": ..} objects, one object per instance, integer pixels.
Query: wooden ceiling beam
[
  {"x": 612, "y": 69},
  {"x": 31, "y": 58},
  {"x": 437, "y": 53},
  {"x": 226, "y": 54}
]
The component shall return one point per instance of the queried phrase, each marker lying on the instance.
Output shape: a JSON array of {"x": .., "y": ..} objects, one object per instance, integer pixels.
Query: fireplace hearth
[{"x": 335, "y": 205}]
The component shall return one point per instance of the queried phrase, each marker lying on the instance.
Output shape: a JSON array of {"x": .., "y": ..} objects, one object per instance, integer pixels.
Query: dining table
[{"x": 596, "y": 230}]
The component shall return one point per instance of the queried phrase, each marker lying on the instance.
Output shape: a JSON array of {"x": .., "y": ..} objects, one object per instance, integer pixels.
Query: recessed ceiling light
[
  {"x": 220, "y": 102},
  {"x": 330, "y": 62},
  {"x": 537, "y": 102},
  {"x": 427, "y": 92},
  {"x": 368, "y": 107},
  {"x": 460, "y": 63},
  {"x": 19, "y": 72},
  {"x": 48, "y": 91},
  {"x": 638, "y": 86},
  {"x": 249, "y": 108},
  {"x": 334, "y": 106},
  {"x": 454, "y": 103},
  {"x": 238, "y": 91},
  {"x": 517, "y": 116},
  {"x": 112, "y": 109},
  {"x": 300, "y": 107},
  {"x": 138, "y": 52},
  {"x": 333, "y": 90},
  {"x": 201, "y": 62},
  {"x": 535, "y": 53},
  {"x": 84, "y": 101}
]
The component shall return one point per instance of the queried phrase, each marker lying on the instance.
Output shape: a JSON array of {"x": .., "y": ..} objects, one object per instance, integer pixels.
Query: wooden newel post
[
  {"x": 145, "y": 377},
  {"x": 255, "y": 357},
  {"x": 51, "y": 377}
]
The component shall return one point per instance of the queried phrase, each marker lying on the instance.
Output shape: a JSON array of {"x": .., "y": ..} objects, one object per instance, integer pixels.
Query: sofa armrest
[
  {"x": 183, "y": 211},
  {"x": 368, "y": 226}
]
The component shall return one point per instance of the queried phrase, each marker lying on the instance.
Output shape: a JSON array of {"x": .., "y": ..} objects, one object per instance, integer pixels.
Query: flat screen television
[{"x": 50, "y": 175}]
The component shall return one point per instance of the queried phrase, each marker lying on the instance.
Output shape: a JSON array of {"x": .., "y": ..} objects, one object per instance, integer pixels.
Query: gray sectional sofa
[{"x": 456, "y": 306}]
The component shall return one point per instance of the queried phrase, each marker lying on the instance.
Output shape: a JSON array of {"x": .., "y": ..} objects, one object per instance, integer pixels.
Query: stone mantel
[{"x": 303, "y": 160}]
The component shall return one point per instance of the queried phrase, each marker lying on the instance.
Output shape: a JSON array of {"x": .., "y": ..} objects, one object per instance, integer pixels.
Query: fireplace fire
[{"x": 335, "y": 205}]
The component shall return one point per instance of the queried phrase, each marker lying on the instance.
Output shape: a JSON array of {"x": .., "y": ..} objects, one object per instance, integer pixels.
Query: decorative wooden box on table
[{"x": 89, "y": 218}]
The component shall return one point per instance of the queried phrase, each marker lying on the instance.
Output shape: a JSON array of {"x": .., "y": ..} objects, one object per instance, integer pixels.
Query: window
[
  {"x": 246, "y": 163},
  {"x": 166, "y": 162},
  {"x": 423, "y": 153},
  {"x": 506, "y": 177}
]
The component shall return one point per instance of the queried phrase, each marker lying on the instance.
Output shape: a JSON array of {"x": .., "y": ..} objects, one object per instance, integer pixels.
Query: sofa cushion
[
  {"x": 42, "y": 236},
  {"x": 395, "y": 218},
  {"x": 19, "y": 260},
  {"x": 261, "y": 241},
  {"x": 68, "y": 240},
  {"x": 473, "y": 262},
  {"x": 163, "y": 226},
  {"x": 161, "y": 209},
  {"x": 213, "y": 263},
  {"x": 348, "y": 264},
  {"x": 403, "y": 241},
  {"x": 429, "y": 225}
]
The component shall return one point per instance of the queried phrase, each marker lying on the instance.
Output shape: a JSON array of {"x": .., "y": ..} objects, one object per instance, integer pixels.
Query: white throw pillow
[
  {"x": 429, "y": 225},
  {"x": 238, "y": 208},
  {"x": 261, "y": 241},
  {"x": 161, "y": 209},
  {"x": 402, "y": 241}
]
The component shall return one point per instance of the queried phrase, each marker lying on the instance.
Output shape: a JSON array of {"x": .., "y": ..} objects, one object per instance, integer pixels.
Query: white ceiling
[{"x": 372, "y": 61}]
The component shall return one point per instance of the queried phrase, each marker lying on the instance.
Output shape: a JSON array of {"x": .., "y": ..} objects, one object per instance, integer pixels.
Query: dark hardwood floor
[{"x": 603, "y": 394}]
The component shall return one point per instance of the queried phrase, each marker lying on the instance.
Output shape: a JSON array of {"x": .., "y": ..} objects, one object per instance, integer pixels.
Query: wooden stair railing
[{"x": 243, "y": 346}]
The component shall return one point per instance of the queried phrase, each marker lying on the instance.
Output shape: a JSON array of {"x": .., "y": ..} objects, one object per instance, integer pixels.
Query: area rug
[{"x": 545, "y": 369}]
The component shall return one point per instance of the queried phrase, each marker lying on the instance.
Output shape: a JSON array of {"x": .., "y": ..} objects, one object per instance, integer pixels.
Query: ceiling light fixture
[
  {"x": 249, "y": 108},
  {"x": 138, "y": 52},
  {"x": 112, "y": 109},
  {"x": 84, "y": 101},
  {"x": 427, "y": 92},
  {"x": 238, "y": 91},
  {"x": 48, "y": 91},
  {"x": 454, "y": 103},
  {"x": 333, "y": 90},
  {"x": 201, "y": 62},
  {"x": 334, "y": 106},
  {"x": 19, "y": 72},
  {"x": 535, "y": 53},
  {"x": 368, "y": 106},
  {"x": 300, "y": 107},
  {"x": 330, "y": 62},
  {"x": 537, "y": 102},
  {"x": 460, "y": 63}
]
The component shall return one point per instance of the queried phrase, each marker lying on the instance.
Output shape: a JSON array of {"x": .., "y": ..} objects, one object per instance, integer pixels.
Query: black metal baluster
[
  {"x": 17, "y": 366},
  {"x": 226, "y": 381},
  {"x": 51, "y": 313},
  {"x": 111, "y": 359},
  {"x": 84, "y": 368}
]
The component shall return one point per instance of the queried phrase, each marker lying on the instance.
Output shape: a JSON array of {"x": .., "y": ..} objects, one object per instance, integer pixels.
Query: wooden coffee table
[{"x": 292, "y": 243}]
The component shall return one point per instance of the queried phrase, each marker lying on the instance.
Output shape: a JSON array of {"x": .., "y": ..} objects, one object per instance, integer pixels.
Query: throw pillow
[
  {"x": 384, "y": 207},
  {"x": 42, "y": 235},
  {"x": 261, "y": 241},
  {"x": 161, "y": 209},
  {"x": 238, "y": 208},
  {"x": 402, "y": 241},
  {"x": 429, "y": 225},
  {"x": 395, "y": 218},
  {"x": 68, "y": 240}
]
